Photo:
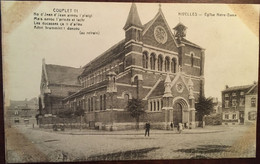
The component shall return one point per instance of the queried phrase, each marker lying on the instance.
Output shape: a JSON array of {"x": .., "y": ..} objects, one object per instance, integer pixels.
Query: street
[{"x": 27, "y": 144}]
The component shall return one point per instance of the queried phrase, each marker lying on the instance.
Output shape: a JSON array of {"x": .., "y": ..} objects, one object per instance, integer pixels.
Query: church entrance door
[{"x": 177, "y": 113}]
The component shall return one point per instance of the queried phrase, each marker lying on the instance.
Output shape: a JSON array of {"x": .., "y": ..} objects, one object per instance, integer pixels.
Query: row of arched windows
[
  {"x": 161, "y": 63},
  {"x": 155, "y": 105},
  {"x": 99, "y": 76}
]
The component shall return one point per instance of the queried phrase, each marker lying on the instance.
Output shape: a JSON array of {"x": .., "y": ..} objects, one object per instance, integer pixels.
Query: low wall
[{"x": 106, "y": 120}]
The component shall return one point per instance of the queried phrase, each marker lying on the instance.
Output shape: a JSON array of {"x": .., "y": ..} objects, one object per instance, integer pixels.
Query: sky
[{"x": 231, "y": 55}]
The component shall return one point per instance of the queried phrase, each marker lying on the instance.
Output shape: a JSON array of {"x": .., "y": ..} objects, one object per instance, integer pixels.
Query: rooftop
[{"x": 58, "y": 74}]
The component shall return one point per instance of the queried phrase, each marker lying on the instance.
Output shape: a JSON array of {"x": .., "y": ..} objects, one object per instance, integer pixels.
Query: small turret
[
  {"x": 180, "y": 31},
  {"x": 167, "y": 86}
]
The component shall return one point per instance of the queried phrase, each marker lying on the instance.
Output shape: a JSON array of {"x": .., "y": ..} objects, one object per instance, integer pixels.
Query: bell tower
[
  {"x": 133, "y": 26},
  {"x": 133, "y": 38}
]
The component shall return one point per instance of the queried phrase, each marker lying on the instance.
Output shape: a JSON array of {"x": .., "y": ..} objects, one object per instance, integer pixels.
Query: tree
[
  {"x": 135, "y": 107},
  {"x": 79, "y": 112},
  {"x": 204, "y": 107},
  {"x": 67, "y": 113}
]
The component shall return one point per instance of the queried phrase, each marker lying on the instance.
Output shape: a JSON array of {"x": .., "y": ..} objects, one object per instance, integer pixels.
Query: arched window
[
  {"x": 160, "y": 63},
  {"x": 152, "y": 61},
  {"x": 167, "y": 64},
  {"x": 89, "y": 105},
  {"x": 173, "y": 65},
  {"x": 126, "y": 98},
  {"x": 92, "y": 104},
  {"x": 145, "y": 59},
  {"x": 192, "y": 59},
  {"x": 105, "y": 99},
  {"x": 101, "y": 102}
]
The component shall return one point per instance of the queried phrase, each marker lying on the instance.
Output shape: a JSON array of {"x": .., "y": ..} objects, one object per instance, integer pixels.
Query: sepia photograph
[{"x": 116, "y": 81}]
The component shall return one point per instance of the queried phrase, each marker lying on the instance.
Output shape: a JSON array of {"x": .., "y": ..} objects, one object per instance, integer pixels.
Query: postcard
[{"x": 88, "y": 81}]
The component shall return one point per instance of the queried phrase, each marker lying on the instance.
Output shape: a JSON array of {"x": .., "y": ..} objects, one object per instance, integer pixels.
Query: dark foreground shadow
[
  {"x": 205, "y": 149},
  {"x": 124, "y": 155}
]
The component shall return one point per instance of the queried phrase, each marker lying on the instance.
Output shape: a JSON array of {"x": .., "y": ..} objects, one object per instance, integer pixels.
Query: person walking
[
  {"x": 171, "y": 126},
  {"x": 147, "y": 129},
  {"x": 180, "y": 127}
]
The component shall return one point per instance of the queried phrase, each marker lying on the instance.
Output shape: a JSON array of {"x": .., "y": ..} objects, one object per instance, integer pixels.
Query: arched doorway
[
  {"x": 177, "y": 113},
  {"x": 180, "y": 108}
]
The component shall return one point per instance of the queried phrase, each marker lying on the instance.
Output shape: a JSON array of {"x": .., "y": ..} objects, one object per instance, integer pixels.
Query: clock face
[
  {"x": 160, "y": 34},
  {"x": 179, "y": 87}
]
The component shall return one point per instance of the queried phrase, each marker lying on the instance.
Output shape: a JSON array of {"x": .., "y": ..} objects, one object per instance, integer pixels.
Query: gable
[
  {"x": 184, "y": 92},
  {"x": 149, "y": 38}
]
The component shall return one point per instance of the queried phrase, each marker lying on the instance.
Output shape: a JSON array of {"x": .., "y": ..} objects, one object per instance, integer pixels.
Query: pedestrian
[
  {"x": 147, "y": 129},
  {"x": 171, "y": 125},
  {"x": 180, "y": 127}
]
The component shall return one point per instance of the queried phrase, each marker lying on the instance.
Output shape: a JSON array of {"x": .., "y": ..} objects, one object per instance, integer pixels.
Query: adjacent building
[
  {"x": 155, "y": 63},
  {"x": 57, "y": 82},
  {"x": 239, "y": 104},
  {"x": 22, "y": 112}
]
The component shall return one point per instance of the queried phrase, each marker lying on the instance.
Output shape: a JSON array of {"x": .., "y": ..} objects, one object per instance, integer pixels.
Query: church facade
[{"x": 153, "y": 63}]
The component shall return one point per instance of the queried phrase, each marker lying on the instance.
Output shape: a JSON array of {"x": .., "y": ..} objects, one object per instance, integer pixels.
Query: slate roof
[
  {"x": 105, "y": 57},
  {"x": 185, "y": 41},
  {"x": 159, "y": 90},
  {"x": 235, "y": 88},
  {"x": 58, "y": 74}
]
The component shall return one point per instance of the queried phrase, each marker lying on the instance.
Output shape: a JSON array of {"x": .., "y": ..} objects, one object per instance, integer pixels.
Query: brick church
[{"x": 155, "y": 63}]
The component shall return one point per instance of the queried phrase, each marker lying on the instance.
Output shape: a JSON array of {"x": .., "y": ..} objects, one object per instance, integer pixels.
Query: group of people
[{"x": 148, "y": 126}]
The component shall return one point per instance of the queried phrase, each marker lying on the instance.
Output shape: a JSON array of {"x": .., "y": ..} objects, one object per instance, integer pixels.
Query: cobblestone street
[{"x": 31, "y": 145}]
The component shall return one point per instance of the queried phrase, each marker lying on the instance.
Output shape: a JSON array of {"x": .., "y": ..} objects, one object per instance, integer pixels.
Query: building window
[
  {"x": 126, "y": 98},
  {"x": 89, "y": 105},
  {"x": 192, "y": 59},
  {"x": 253, "y": 100},
  {"x": 173, "y": 65},
  {"x": 105, "y": 99},
  {"x": 234, "y": 116},
  {"x": 234, "y": 94},
  {"x": 226, "y": 116},
  {"x": 92, "y": 104},
  {"x": 226, "y": 104},
  {"x": 252, "y": 115},
  {"x": 234, "y": 102},
  {"x": 100, "y": 102},
  {"x": 151, "y": 106},
  {"x": 242, "y": 102},
  {"x": 154, "y": 103},
  {"x": 160, "y": 63},
  {"x": 242, "y": 93},
  {"x": 145, "y": 60},
  {"x": 167, "y": 64},
  {"x": 16, "y": 112},
  {"x": 152, "y": 61}
]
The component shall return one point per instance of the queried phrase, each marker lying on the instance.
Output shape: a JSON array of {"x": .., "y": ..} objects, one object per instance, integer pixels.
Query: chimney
[{"x": 226, "y": 86}]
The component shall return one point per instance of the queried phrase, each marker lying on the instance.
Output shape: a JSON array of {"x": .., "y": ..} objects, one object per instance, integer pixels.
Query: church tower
[
  {"x": 133, "y": 27},
  {"x": 133, "y": 38}
]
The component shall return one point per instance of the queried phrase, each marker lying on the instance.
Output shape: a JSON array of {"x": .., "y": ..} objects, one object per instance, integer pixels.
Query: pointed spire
[
  {"x": 133, "y": 18},
  {"x": 160, "y": 7},
  {"x": 167, "y": 80}
]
